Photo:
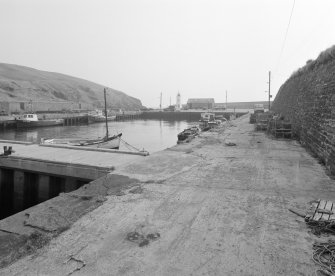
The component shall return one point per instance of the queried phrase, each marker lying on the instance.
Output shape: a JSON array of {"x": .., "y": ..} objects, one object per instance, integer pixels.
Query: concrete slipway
[{"x": 219, "y": 210}]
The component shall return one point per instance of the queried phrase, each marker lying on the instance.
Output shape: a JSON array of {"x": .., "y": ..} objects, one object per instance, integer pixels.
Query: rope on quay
[
  {"x": 130, "y": 147},
  {"x": 318, "y": 227},
  {"x": 324, "y": 256}
]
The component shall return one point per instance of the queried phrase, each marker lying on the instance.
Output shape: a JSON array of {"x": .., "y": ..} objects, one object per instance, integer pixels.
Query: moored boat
[
  {"x": 188, "y": 134},
  {"x": 214, "y": 123},
  {"x": 102, "y": 119},
  {"x": 111, "y": 142},
  {"x": 108, "y": 142},
  {"x": 207, "y": 117},
  {"x": 210, "y": 120},
  {"x": 98, "y": 116},
  {"x": 31, "y": 120}
]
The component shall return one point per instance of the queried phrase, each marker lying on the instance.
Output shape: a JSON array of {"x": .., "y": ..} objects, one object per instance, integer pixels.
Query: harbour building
[{"x": 200, "y": 103}]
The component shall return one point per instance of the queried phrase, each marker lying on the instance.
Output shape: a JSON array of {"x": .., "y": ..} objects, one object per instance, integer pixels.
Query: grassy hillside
[{"x": 19, "y": 83}]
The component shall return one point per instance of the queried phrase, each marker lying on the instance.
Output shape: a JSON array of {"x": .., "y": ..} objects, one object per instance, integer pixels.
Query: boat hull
[
  {"x": 97, "y": 119},
  {"x": 112, "y": 142},
  {"x": 39, "y": 123},
  {"x": 188, "y": 134}
]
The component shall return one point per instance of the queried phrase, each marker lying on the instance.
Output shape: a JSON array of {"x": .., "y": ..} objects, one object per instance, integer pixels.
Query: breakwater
[
  {"x": 7, "y": 123},
  {"x": 70, "y": 119},
  {"x": 185, "y": 115}
]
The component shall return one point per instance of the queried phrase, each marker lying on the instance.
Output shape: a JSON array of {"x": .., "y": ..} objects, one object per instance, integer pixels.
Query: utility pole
[
  {"x": 106, "y": 113},
  {"x": 170, "y": 100},
  {"x": 226, "y": 100},
  {"x": 270, "y": 96},
  {"x": 160, "y": 102}
]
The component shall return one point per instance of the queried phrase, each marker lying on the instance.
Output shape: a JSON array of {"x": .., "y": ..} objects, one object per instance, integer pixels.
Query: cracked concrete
[{"x": 219, "y": 210}]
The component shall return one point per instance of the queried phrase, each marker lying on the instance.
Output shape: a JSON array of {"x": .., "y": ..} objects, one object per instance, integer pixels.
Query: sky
[{"x": 201, "y": 48}]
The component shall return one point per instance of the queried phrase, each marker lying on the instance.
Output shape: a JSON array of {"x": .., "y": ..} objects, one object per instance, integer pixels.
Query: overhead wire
[
  {"x": 285, "y": 37},
  {"x": 310, "y": 35},
  {"x": 274, "y": 75}
]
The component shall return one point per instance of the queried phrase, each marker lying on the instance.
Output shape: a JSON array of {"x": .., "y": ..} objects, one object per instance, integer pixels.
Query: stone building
[{"x": 201, "y": 103}]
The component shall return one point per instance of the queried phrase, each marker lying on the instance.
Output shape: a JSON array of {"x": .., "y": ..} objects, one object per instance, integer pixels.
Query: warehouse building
[{"x": 201, "y": 103}]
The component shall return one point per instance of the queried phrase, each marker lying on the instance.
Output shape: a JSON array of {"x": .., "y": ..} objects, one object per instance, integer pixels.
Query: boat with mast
[{"x": 107, "y": 142}]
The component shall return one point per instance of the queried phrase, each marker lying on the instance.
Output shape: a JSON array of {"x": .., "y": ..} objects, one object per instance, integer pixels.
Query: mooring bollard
[{"x": 7, "y": 150}]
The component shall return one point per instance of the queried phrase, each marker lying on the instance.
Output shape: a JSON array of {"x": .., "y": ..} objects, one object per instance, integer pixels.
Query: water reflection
[{"x": 152, "y": 135}]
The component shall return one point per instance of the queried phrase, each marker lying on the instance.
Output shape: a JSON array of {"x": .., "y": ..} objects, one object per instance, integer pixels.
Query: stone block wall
[
  {"x": 39, "y": 106},
  {"x": 308, "y": 100}
]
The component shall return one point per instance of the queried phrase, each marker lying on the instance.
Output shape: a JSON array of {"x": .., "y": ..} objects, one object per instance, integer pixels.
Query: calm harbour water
[{"x": 152, "y": 135}]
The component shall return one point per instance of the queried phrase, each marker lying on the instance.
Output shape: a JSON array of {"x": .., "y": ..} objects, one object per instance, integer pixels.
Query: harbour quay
[
  {"x": 191, "y": 115},
  {"x": 7, "y": 122},
  {"x": 83, "y": 118},
  {"x": 33, "y": 173},
  {"x": 69, "y": 119},
  {"x": 218, "y": 205}
]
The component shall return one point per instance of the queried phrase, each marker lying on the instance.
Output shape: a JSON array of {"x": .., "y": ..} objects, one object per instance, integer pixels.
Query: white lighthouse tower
[{"x": 178, "y": 102}]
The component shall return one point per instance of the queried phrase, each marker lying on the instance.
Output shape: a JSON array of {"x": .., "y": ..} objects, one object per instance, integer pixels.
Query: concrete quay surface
[
  {"x": 219, "y": 210},
  {"x": 82, "y": 162},
  {"x": 80, "y": 155}
]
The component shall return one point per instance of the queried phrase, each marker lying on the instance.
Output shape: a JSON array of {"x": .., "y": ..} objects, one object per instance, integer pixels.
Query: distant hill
[{"x": 19, "y": 83}]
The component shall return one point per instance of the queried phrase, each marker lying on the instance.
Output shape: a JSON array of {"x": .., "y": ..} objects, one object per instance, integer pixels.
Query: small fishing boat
[
  {"x": 214, "y": 123},
  {"x": 207, "y": 117},
  {"x": 31, "y": 120},
  {"x": 107, "y": 142},
  {"x": 98, "y": 116},
  {"x": 210, "y": 120},
  {"x": 188, "y": 134}
]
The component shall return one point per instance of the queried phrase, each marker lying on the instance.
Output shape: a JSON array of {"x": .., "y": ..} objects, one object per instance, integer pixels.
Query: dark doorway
[
  {"x": 6, "y": 193},
  {"x": 30, "y": 189},
  {"x": 57, "y": 186}
]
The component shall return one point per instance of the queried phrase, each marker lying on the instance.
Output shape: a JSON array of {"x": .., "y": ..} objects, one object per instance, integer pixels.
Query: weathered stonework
[{"x": 308, "y": 100}]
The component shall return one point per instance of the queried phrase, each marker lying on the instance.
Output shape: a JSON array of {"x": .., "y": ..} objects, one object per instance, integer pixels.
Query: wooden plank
[
  {"x": 332, "y": 217},
  {"x": 317, "y": 215},
  {"x": 328, "y": 207},
  {"x": 312, "y": 210}
]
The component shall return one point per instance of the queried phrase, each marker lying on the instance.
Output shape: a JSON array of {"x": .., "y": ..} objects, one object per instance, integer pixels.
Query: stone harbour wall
[
  {"x": 307, "y": 98},
  {"x": 43, "y": 106}
]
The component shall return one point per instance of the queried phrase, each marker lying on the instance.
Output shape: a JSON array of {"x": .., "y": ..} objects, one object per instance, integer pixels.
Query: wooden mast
[{"x": 106, "y": 113}]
